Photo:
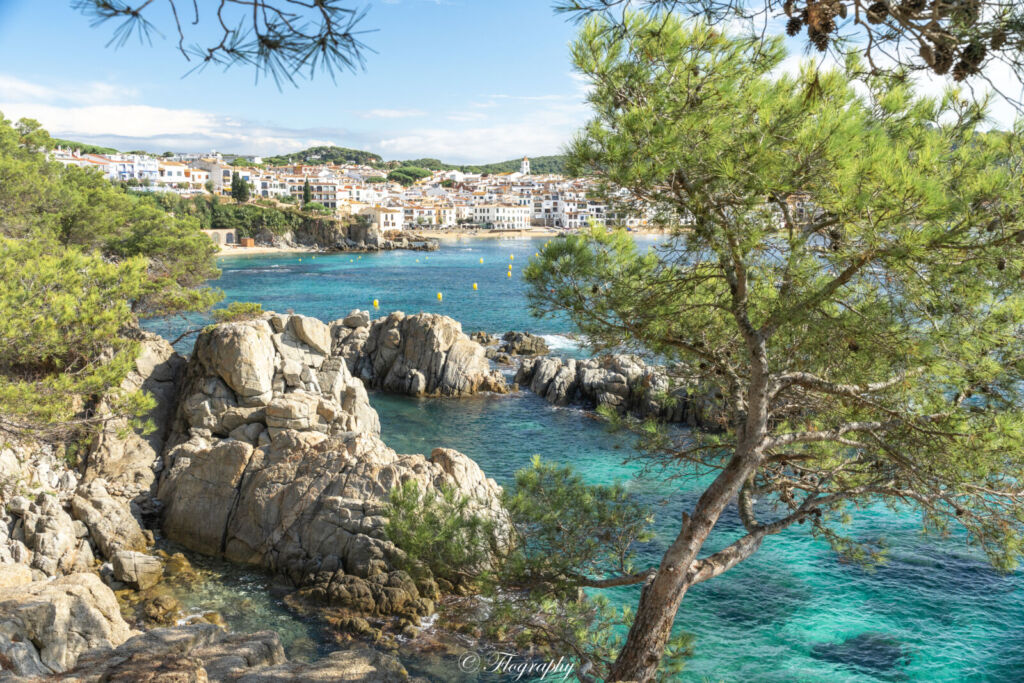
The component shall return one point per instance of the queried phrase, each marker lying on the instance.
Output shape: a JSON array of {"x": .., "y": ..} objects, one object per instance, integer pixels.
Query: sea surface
[{"x": 934, "y": 611}]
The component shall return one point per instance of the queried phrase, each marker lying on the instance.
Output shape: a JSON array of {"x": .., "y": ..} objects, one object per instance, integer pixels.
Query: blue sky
[{"x": 461, "y": 80}]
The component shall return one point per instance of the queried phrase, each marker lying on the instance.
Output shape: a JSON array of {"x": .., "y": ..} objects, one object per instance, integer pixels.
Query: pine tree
[{"x": 845, "y": 274}]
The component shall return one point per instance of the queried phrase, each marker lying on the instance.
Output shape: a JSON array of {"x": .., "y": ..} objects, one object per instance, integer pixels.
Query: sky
[{"x": 465, "y": 81}]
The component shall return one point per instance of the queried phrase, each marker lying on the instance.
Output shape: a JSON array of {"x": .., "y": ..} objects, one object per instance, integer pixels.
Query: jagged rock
[
  {"x": 417, "y": 355},
  {"x": 128, "y": 461},
  {"x": 623, "y": 382},
  {"x": 46, "y": 625},
  {"x": 523, "y": 344},
  {"x": 484, "y": 338},
  {"x": 356, "y": 318},
  {"x": 307, "y": 499},
  {"x": 109, "y": 520},
  {"x": 51, "y": 536},
  {"x": 139, "y": 570}
]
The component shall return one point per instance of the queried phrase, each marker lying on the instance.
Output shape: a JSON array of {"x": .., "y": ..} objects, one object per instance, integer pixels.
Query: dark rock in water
[
  {"x": 871, "y": 653},
  {"x": 523, "y": 344},
  {"x": 624, "y": 382},
  {"x": 415, "y": 355},
  {"x": 484, "y": 338}
]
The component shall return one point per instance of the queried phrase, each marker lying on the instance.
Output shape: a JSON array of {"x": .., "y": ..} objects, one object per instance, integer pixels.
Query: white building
[
  {"x": 524, "y": 167},
  {"x": 502, "y": 216}
]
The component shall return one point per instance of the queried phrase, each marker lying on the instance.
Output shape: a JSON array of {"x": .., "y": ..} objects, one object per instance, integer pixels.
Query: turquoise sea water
[{"x": 934, "y": 612}]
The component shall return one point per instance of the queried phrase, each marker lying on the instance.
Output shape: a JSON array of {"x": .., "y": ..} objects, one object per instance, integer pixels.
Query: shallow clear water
[{"x": 934, "y": 612}]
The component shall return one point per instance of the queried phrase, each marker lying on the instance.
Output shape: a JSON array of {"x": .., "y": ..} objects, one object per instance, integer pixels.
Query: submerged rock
[
  {"x": 416, "y": 355},
  {"x": 203, "y": 652}
]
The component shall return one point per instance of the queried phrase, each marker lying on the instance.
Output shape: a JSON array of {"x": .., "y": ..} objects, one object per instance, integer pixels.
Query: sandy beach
[{"x": 251, "y": 251}]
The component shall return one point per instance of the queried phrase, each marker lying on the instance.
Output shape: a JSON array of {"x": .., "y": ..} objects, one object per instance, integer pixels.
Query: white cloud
[
  {"x": 392, "y": 114},
  {"x": 507, "y": 127}
]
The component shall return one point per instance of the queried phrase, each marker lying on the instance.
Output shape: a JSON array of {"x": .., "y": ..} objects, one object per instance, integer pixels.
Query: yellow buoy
[
  {"x": 510, "y": 266},
  {"x": 511, "y": 257},
  {"x": 510, "y": 273},
  {"x": 376, "y": 304},
  {"x": 417, "y": 260},
  {"x": 481, "y": 260},
  {"x": 439, "y": 296},
  {"x": 535, "y": 254},
  {"x": 474, "y": 286}
]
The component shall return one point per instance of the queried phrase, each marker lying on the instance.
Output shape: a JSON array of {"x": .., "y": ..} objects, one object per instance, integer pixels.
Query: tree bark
[{"x": 660, "y": 599}]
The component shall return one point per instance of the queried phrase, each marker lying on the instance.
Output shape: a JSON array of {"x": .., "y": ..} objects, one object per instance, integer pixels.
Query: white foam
[{"x": 560, "y": 341}]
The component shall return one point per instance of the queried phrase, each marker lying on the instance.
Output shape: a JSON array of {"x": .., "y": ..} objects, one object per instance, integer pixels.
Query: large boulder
[
  {"x": 139, "y": 570},
  {"x": 241, "y": 354},
  {"x": 417, "y": 355},
  {"x": 46, "y": 625},
  {"x": 301, "y": 484}
]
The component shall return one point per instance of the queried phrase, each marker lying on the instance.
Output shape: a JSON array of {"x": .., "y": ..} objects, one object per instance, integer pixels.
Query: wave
[{"x": 561, "y": 342}]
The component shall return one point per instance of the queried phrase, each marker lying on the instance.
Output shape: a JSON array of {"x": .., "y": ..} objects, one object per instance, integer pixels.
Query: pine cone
[
  {"x": 961, "y": 71},
  {"x": 793, "y": 26},
  {"x": 943, "y": 60},
  {"x": 913, "y": 6},
  {"x": 974, "y": 54},
  {"x": 818, "y": 39},
  {"x": 998, "y": 39},
  {"x": 877, "y": 12}
]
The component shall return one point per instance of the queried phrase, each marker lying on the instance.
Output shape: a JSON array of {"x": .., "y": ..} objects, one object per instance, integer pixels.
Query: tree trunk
[{"x": 660, "y": 599}]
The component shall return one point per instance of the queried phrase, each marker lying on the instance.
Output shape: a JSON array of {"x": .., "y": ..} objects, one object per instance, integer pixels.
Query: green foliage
[
  {"x": 316, "y": 207},
  {"x": 239, "y": 188},
  {"x": 376, "y": 179},
  {"x": 61, "y": 337},
  {"x": 82, "y": 261},
  {"x": 441, "y": 534},
  {"x": 236, "y": 311},
  {"x": 560, "y": 535},
  {"x": 248, "y": 219},
  {"x": 83, "y": 147},
  {"x": 448, "y": 183},
  {"x": 870, "y": 319},
  {"x": 407, "y": 175},
  {"x": 326, "y": 155},
  {"x": 307, "y": 192}
]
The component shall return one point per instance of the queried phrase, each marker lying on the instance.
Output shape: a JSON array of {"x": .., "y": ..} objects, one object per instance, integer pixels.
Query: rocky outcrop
[
  {"x": 109, "y": 520},
  {"x": 417, "y": 355},
  {"x": 203, "y": 652},
  {"x": 332, "y": 234},
  {"x": 623, "y": 382},
  {"x": 125, "y": 457},
  {"x": 523, "y": 344},
  {"x": 58, "y": 544},
  {"x": 46, "y": 625},
  {"x": 276, "y": 460}
]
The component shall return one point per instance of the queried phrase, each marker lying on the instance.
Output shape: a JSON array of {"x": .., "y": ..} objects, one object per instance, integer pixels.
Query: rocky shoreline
[{"x": 265, "y": 452}]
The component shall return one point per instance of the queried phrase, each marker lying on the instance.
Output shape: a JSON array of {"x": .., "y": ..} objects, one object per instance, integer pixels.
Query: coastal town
[{"x": 442, "y": 200}]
